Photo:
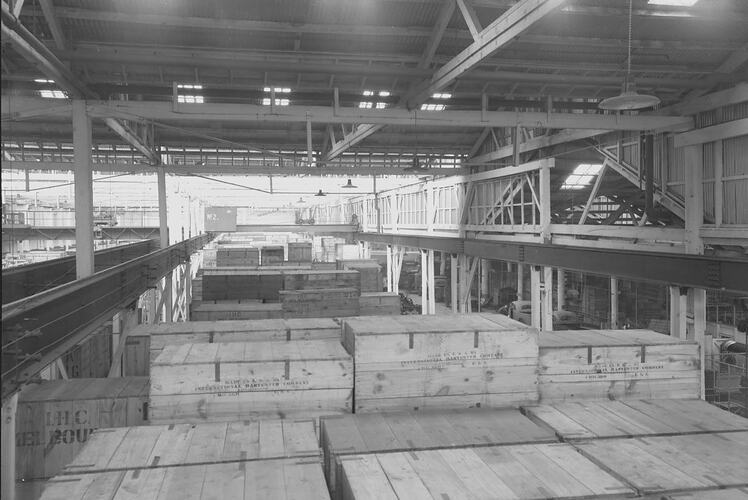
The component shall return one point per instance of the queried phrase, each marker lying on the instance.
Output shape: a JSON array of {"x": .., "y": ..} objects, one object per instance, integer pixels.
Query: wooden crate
[
  {"x": 726, "y": 494},
  {"x": 242, "y": 284},
  {"x": 320, "y": 279},
  {"x": 271, "y": 255},
  {"x": 530, "y": 471},
  {"x": 196, "y": 332},
  {"x": 416, "y": 362},
  {"x": 222, "y": 382},
  {"x": 617, "y": 364},
  {"x": 322, "y": 303},
  {"x": 413, "y": 431},
  {"x": 292, "y": 479},
  {"x": 206, "y": 311},
  {"x": 633, "y": 418},
  {"x": 370, "y": 271},
  {"x": 153, "y": 446},
  {"x": 300, "y": 251},
  {"x": 674, "y": 463},
  {"x": 379, "y": 304},
  {"x": 136, "y": 357},
  {"x": 237, "y": 257},
  {"x": 91, "y": 358},
  {"x": 55, "y": 418}
]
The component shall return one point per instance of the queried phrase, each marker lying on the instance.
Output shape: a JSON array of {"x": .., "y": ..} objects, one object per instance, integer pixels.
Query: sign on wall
[{"x": 220, "y": 219}]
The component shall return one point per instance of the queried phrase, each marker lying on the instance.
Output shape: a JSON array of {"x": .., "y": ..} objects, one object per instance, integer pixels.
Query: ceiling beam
[
  {"x": 214, "y": 112},
  {"x": 509, "y": 25},
  {"x": 536, "y": 143},
  {"x": 437, "y": 33},
  {"x": 470, "y": 17},
  {"x": 126, "y": 133},
  {"x": 17, "y": 5},
  {"x": 48, "y": 9},
  {"x": 139, "y": 168}
]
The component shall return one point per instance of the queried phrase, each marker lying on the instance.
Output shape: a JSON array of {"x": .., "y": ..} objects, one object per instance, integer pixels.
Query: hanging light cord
[{"x": 628, "y": 61}]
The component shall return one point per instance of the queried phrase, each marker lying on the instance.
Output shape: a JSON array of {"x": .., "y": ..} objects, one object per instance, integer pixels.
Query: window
[
  {"x": 278, "y": 90},
  {"x": 190, "y": 99},
  {"x": 278, "y": 102},
  {"x": 53, "y": 94},
  {"x": 442, "y": 95},
  {"x": 433, "y": 107},
  {"x": 675, "y": 3},
  {"x": 189, "y": 86},
  {"x": 43, "y": 80},
  {"x": 371, "y": 104},
  {"x": 582, "y": 176}
]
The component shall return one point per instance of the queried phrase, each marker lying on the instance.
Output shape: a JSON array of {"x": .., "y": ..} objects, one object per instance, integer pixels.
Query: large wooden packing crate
[
  {"x": 55, "y": 418},
  {"x": 287, "y": 479},
  {"x": 370, "y": 271},
  {"x": 272, "y": 255},
  {"x": 320, "y": 279},
  {"x": 242, "y": 284},
  {"x": 658, "y": 464},
  {"x": 193, "y": 444},
  {"x": 617, "y": 364},
  {"x": 222, "y": 310},
  {"x": 379, "y": 304},
  {"x": 300, "y": 251},
  {"x": 634, "y": 418},
  {"x": 321, "y": 303},
  {"x": 413, "y": 431},
  {"x": 415, "y": 362},
  {"x": 237, "y": 257},
  {"x": 197, "y": 332},
  {"x": 222, "y": 382},
  {"x": 530, "y": 471}
]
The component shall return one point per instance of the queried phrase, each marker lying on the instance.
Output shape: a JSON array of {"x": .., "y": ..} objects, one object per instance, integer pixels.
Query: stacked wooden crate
[
  {"x": 235, "y": 309},
  {"x": 240, "y": 284},
  {"x": 210, "y": 254},
  {"x": 379, "y": 304},
  {"x": 320, "y": 303},
  {"x": 365, "y": 434},
  {"x": 320, "y": 279},
  {"x": 237, "y": 257},
  {"x": 414, "y": 362},
  {"x": 248, "y": 459},
  {"x": 272, "y": 255},
  {"x": 199, "y": 332},
  {"x": 55, "y": 418},
  {"x": 300, "y": 251},
  {"x": 617, "y": 364},
  {"x": 370, "y": 271},
  {"x": 219, "y": 382}
]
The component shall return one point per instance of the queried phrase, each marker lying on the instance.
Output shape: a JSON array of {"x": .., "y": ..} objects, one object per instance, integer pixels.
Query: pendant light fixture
[
  {"x": 629, "y": 99},
  {"x": 320, "y": 193},
  {"x": 349, "y": 185}
]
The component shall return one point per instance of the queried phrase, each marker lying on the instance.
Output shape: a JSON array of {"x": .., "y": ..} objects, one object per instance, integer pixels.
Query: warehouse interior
[{"x": 374, "y": 249}]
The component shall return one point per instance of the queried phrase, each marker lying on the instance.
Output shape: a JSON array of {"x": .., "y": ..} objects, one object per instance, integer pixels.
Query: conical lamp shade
[
  {"x": 629, "y": 99},
  {"x": 320, "y": 193},
  {"x": 349, "y": 185}
]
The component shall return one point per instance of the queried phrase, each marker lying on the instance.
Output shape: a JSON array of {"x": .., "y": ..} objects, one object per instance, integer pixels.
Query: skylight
[
  {"x": 373, "y": 104},
  {"x": 278, "y": 102},
  {"x": 189, "y": 86},
  {"x": 43, "y": 80},
  {"x": 582, "y": 176},
  {"x": 278, "y": 90},
  {"x": 442, "y": 95},
  {"x": 53, "y": 94},
  {"x": 433, "y": 107},
  {"x": 674, "y": 3}
]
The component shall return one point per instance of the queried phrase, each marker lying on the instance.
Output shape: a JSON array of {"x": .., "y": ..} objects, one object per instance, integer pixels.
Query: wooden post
[
  {"x": 83, "y": 180},
  {"x": 389, "y": 268},
  {"x": 547, "y": 299},
  {"x": 424, "y": 282},
  {"x": 699, "y": 327},
  {"x": 453, "y": 283},
  {"x": 674, "y": 295},
  {"x": 560, "y": 289},
  {"x": 164, "y": 237},
  {"x": 613, "y": 302},
  {"x": 8, "y": 446},
  {"x": 535, "y": 299},
  {"x": 187, "y": 289},
  {"x": 520, "y": 281},
  {"x": 430, "y": 282}
]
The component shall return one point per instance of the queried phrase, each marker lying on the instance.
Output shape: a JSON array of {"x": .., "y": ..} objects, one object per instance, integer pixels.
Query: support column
[
  {"x": 485, "y": 267},
  {"x": 430, "y": 282},
  {"x": 547, "y": 299},
  {"x": 164, "y": 237},
  {"x": 187, "y": 289},
  {"x": 535, "y": 299},
  {"x": 520, "y": 281},
  {"x": 8, "y": 455},
  {"x": 678, "y": 308},
  {"x": 424, "y": 282},
  {"x": 699, "y": 328},
  {"x": 545, "y": 204},
  {"x": 442, "y": 263},
  {"x": 454, "y": 289},
  {"x": 613, "y": 302},
  {"x": 83, "y": 180},
  {"x": 694, "y": 198},
  {"x": 389, "y": 268},
  {"x": 560, "y": 289},
  {"x": 116, "y": 333}
]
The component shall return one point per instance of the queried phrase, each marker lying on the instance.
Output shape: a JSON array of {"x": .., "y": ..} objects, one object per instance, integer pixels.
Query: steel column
[{"x": 83, "y": 178}]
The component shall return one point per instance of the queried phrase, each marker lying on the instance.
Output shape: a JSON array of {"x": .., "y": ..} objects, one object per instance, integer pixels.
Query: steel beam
[
  {"x": 24, "y": 281},
  {"x": 38, "y": 329},
  {"x": 68, "y": 233},
  {"x": 677, "y": 269}
]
